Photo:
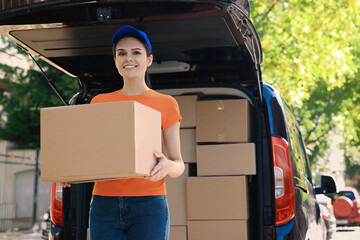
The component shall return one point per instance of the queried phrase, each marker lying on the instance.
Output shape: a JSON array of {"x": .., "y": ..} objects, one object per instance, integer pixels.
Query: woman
[{"x": 136, "y": 208}]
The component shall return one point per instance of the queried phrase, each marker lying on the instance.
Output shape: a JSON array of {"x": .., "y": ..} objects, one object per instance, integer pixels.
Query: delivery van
[{"x": 207, "y": 54}]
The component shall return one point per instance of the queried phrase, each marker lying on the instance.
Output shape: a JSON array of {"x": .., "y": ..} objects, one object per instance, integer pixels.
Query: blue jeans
[{"x": 130, "y": 218}]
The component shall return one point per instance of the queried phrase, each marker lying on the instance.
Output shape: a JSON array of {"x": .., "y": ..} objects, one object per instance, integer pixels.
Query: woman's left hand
[{"x": 161, "y": 169}]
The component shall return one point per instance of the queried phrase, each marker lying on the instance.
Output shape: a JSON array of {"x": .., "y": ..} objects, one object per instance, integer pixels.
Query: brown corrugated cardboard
[
  {"x": 223, "y": 121},
  {"x": 176, "y": 193},
  {"x": 188, "y": 145},
  {"x": 226, "y": 159},
  {"x": 178, "y": 233},
  {"x": 221, "y": 198},
  {"x": 98, "y": 141},
  {"x": 187, "y": 106},
  {"x": 216, "y": 230}
]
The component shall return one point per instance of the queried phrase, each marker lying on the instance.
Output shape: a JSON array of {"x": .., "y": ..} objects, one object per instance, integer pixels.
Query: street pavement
[
  {"x": 347, "y": 233},
  {"x": 29, "y": 235},
  {"x": 342, "y": 233}
]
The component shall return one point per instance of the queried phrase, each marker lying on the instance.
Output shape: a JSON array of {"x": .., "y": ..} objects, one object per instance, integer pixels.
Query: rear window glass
[
  {"x": 216, "y": 54},
  {"x": 5, "y": 5},
  {"x": 297, "y": 149},
  {"x": 347, "y": 194}
]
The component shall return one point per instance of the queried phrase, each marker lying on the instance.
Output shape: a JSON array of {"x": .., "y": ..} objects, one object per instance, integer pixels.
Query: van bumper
[{"x": 284, "y": 230}]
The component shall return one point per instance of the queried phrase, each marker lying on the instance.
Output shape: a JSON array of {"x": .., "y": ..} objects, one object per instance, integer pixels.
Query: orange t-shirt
[{"x": 169, "y": 109}]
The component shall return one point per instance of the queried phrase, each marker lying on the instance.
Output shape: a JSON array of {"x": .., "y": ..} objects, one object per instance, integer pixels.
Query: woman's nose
[{"x": 128, "y": 58}]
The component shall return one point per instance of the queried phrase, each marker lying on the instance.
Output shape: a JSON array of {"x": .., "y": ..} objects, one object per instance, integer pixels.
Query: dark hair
[{"x": 148, "y": 53}]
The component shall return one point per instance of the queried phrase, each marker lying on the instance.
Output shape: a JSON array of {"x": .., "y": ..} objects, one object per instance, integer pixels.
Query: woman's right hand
[{"x": 65, "y": 184}]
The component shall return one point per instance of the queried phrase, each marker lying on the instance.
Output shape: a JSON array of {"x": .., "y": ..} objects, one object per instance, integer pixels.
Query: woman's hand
[
  {"x": 171, "y": 164},
  {"x": 161, "y": 169},
  {"x": 65, "y": 184}
]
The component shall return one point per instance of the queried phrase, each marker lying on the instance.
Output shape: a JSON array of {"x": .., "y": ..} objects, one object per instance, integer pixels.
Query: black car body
[{"x": 218, "y": 42}]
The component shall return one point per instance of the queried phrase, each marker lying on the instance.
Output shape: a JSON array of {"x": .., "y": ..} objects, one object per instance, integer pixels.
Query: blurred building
[{"x": 17, "y": 188}]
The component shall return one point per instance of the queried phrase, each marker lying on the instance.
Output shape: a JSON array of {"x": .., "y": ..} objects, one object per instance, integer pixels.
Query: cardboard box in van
[
  {"x": 187, "y": 106},
  {"x": 226, "y": 159},
  {"x": 218, "y": 229},
  {"x": 178, "y": 233},
  {"x": 220, "y": 198},
  {"x": 224, "y": 121},
  {"x": 99, "y": 141},
  {"x": 188, "y": 145},
  {"x": 176, "y": 194}
]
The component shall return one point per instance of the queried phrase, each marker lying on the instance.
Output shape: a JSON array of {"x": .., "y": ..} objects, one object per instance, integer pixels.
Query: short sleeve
[
  {"x": 172, "y": 113},
  {"x": 94, "y": 100}
]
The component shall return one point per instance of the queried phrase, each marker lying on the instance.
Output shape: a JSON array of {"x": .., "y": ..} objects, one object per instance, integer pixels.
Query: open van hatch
[{"x": 216, "y": 40}]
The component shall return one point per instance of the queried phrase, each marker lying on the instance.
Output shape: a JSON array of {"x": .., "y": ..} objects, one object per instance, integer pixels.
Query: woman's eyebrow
[{"x": 120, "y": 49}]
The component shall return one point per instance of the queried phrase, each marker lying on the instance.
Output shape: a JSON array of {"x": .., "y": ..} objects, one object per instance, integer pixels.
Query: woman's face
[{"x": 131, "y": 58}]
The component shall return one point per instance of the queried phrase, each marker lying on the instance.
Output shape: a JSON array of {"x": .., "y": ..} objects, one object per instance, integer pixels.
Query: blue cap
[{"x": 131, "y": 31}]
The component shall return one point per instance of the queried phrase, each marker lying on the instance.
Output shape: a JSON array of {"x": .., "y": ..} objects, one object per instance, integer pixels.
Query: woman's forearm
[{"x": 177, "y": 168}]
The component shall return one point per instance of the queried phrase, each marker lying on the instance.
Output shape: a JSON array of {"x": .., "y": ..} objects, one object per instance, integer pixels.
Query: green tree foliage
[
  {"x": 311, "y": 55},
  {"x": 25, "y": 93}
]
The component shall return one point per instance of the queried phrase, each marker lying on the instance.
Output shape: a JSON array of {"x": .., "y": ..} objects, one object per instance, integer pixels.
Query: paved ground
[
  {"x": 342, "y": 233},
  {"x": 29, "y": 235},
  {"x": 347, "y": 233}
]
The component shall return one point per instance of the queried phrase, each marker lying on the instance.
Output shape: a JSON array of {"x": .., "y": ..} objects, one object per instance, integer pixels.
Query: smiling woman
[{"x": 144, "y": 199}]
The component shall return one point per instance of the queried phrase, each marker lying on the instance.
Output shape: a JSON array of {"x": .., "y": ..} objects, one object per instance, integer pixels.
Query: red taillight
[
  {"x": 284, "y": 182},
  {"x": 56, "y": 210}
]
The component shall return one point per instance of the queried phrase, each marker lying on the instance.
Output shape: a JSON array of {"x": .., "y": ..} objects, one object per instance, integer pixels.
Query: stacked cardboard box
[
  {"x": 187, "y": 106},
  {"x": 226, "y": 159},
  {"x": 215, "y": 230},
  {"x": 178, "y": 233},
  {"x": 224, "y": 134},
  {"x": 188, "y": 145},
  {"x": 176, "y": 187},
  {"x": 222, "y": 198},
  {"x": 219, "y": 203},
  {"x": 176, "y": 193},
  {"x": 223, "y": 121},
  {"x": 217, "y": 200},
  {"x": 214, "y": 204}
]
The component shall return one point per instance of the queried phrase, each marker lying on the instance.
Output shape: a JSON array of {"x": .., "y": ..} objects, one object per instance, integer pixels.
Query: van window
[
  {"x": 216, "y": 54},
  {"x": 350, "y": 195},
  {"x": 303, "y": 155},
  {"x": 296, "y": 146}
]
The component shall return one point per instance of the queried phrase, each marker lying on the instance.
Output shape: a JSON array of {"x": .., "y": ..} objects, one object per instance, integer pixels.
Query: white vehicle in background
[{"x": 327, "y": 213}]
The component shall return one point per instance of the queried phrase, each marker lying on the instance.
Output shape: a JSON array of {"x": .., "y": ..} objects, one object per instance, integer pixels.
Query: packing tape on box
[{"x": 220, "y": 105}]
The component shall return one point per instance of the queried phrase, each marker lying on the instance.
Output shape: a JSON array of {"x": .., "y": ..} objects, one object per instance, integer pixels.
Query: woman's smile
[{"x": 130, "y": 66}]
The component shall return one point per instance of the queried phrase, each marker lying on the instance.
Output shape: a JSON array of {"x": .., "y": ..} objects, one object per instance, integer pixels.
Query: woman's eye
[
  {"x": 137, "y": 53},
  {"x": 121, "y": 54}
]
